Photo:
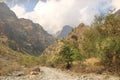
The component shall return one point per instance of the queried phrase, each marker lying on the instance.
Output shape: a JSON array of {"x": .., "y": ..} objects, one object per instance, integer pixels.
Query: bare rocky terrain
[{"x": 56, "y": 74}]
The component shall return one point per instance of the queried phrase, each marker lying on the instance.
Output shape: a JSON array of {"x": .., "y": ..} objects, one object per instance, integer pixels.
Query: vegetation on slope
[
  {"x": 11, "y": 60},
  {"x": 101, "y": 43}
]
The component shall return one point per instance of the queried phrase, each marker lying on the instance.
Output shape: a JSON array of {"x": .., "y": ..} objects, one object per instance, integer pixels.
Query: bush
[
  {"x": 29, "y": 61},
  {"x": 111, "y": 48},
  {"x": 103, "y": 41},
  {"x": 68, "y": 54}
]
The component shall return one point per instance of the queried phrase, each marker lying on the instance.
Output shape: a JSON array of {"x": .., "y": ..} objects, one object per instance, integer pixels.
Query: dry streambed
[{"x": 56, "y": 74}]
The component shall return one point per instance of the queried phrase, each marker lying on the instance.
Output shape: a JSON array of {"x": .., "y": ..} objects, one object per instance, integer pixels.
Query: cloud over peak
[
  {"x": 54, "y": 14},
  {"x": 116, "y": 4}
]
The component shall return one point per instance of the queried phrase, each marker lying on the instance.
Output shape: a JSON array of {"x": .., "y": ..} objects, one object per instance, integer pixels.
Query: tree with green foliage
[
  {"x": 69, "y": 53},
  {"x": 103, "y": 41}
]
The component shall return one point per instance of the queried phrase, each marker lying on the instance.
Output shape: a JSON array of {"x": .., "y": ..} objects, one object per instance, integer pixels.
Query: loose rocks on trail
[{"x": 44, "y": 73}]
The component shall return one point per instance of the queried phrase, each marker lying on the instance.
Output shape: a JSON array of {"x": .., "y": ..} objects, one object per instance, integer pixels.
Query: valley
[{"x": 82, "y": 52}]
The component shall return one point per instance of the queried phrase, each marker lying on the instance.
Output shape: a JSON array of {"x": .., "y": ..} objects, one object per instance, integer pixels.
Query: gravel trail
[{"x": 56, "y": 74}]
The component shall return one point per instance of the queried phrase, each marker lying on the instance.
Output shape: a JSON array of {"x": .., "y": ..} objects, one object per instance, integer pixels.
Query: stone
[{"x": 35, "y": 71}]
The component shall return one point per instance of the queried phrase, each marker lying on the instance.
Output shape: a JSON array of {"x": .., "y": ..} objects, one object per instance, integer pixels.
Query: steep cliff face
[
  {"x": 23, "y": 35},
  {"x": 36, "y": 38}
]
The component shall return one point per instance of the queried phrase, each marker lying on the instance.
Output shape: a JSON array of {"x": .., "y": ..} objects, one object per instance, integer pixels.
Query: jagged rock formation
[
  {"x": 23, "y": 35},
  {"x": 65, "y": 31}
]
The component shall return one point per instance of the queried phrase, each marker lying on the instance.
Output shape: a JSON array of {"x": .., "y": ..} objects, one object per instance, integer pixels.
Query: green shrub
[
  {"x": 68, "y": 54},
  {"x": 29, "y": 61},
  {"x": 103, "y": 41}
]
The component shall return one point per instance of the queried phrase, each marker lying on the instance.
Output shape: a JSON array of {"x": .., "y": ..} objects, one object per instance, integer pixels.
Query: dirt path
[{"x": 55, "y": 74}]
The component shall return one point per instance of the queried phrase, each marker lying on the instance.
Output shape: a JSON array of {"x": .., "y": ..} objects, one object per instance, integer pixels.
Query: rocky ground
[{"x": 56, "y": 74}]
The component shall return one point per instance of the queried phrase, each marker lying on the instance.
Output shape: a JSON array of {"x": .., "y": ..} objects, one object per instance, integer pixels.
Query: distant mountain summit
[
  {"x": 65, "y": 31},
  {"x": 75, "y": 35},
  {"x": 22, "y": 34}
]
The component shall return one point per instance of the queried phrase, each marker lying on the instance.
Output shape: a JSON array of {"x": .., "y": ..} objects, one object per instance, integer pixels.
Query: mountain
[
  {"x": 75, "y": 35},
  {"x": 64, "y": 32},
  {"x": 22, "y": 34}
]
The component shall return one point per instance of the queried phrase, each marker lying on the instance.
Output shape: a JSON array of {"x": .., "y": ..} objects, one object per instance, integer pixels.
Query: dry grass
[
  {"x": 92, "y": 61},
  {"x": 91, "y": 65},
  {"x": 9, "y": 67}
]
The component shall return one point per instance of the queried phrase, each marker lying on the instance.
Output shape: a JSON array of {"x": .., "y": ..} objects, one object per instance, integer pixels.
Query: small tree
[{"x": 69, "y": 53}]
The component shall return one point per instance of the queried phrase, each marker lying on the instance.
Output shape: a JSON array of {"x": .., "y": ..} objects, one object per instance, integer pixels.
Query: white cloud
[
  {"x": 53, "y": 15},
  {"x": 116, "y": 4},
  {"x": 19, "y": 10}
]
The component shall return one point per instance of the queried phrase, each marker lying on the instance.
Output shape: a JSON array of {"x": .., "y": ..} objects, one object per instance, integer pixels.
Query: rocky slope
[
  {"x": 55, "y": 74},
  {"x": 23, "y": 35}
]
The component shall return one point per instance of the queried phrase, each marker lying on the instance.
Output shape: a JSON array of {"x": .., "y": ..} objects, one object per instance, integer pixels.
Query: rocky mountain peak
[
  {"x": 65, "y": 31},
  {"x": 6, "y": 13},
  {"x": 3, "y": 6}
]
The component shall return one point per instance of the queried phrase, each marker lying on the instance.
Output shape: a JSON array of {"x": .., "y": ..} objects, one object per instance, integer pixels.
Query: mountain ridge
[
  {"x": 65, "y": 31},
  {"x": 23, "y": 35},
  {"x": 76, "y": 35}
]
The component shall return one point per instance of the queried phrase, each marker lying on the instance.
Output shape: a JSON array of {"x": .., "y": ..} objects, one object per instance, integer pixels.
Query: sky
[{"x": 54, "y": 14}]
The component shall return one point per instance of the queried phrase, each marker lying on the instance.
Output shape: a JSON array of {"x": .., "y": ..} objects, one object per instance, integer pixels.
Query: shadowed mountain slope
[{"x": 23, "y": 35}]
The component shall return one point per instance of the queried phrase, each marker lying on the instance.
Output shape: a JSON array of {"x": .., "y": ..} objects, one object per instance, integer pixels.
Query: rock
[
  {"x": 35, "y": 71},
  {"x": 17, "y": 74},
  {"x": 55, "y": 74},
  {"x": 99, "y": 72},
  {"x": 20, "y": 75}
]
